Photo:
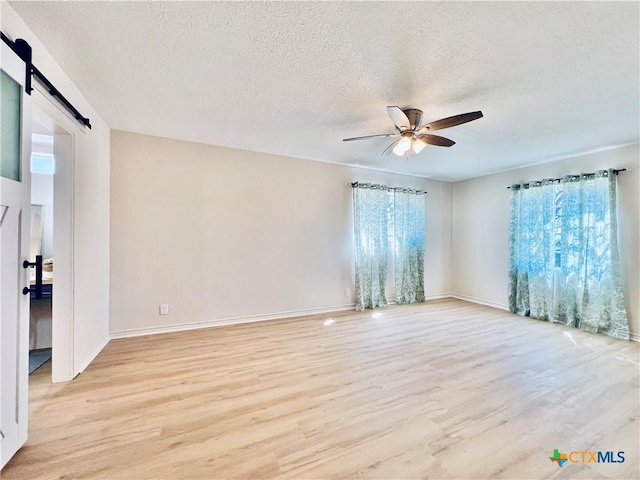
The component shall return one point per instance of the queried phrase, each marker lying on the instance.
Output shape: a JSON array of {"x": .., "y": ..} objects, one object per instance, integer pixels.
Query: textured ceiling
[{"x": 552, "y": 79}]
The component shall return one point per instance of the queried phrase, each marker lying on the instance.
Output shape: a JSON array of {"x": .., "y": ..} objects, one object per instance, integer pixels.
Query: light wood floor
[{"x": 447, "y": 389}]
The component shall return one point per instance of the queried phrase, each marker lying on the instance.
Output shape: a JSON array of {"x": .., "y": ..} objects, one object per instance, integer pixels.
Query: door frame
[{"x": 63, "y": 325}]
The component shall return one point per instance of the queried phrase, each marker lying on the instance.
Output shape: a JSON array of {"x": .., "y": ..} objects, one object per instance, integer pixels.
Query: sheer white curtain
[
  {"x": 409, "y": 241},
  {"x": 591, "y": 296},
  {"x": 370, "y": 206},
  {"x": 577, "y": 219},
  {"x": 531, "y": 249}
]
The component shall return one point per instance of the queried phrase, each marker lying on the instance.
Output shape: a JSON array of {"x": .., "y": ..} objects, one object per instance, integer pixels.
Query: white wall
[
  {"x": 480, "y": 259},
  {"x": 222, "y": 234},
  {"x": 42, "y": 194},
  {"x": 91, "y": 213}
]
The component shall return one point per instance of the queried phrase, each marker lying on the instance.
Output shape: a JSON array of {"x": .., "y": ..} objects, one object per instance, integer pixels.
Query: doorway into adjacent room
[
  {"x": 50, "y": 256},
  {"x": 41, "y": 246}
]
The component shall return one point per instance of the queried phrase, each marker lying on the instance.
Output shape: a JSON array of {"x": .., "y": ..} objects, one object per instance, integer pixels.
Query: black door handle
[{"x": 38, "y": 287}]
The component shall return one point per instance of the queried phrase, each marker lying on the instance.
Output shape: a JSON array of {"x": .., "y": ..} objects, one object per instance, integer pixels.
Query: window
[
  {"x": 573, "y": 226},
  {"x": 388, "y": 219},
  {"x": 41, "y": 163}
]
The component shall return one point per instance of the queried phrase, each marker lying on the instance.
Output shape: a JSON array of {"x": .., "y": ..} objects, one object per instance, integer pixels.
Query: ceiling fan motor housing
[
  {"x": 413, "y": 134},
  {"x": 415, "y": 117}
]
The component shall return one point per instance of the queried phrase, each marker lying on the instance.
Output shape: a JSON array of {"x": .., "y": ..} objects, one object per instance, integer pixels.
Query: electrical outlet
[
  {"x": 347, "y": 292},
  {"x": 164, "y": 309}
]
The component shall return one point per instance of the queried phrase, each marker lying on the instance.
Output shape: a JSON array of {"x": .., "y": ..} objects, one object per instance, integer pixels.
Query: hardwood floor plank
[{"x": 446, "y": 389}]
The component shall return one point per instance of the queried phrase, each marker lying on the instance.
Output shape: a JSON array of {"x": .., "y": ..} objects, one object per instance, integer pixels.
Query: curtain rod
[
  {"x": 374, "y": 185},
  {"x": 21, "y": 48},
  {"x": 592, "y": 174}
]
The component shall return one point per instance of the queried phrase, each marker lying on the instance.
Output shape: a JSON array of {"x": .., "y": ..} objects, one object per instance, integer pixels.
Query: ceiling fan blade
[
  {"x": 436, "y": 140},
  {"x": 399, "y": 119},
  {"x": 370, "y": 136},
  {"x": 390, "y": 148},
  {"x": 450, "y": 122}
]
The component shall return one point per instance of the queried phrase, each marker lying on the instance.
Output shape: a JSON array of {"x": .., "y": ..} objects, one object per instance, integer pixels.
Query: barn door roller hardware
[{"x": 23, "y": 50}]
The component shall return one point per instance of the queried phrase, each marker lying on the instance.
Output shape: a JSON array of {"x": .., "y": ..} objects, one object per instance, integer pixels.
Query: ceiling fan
[{"x": 414, "y": 136}]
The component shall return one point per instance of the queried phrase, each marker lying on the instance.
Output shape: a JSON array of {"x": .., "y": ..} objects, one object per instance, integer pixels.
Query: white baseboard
[
  {"x": 437, "y": 296},
  {"x": 138, "y": 332},
  {"x": 634, "y": 337},
  {"x": 501, "y": 306}
]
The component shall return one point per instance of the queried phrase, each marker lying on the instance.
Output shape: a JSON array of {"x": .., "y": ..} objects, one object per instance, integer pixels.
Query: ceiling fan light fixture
[
  {"x": 418, "y": 145},
  {"x": 411, "y": 134},
  {"x": 403, "y": 146}
]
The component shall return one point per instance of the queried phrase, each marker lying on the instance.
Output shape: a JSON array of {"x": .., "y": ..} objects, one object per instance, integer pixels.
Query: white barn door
[{"x": 15, "y": 216}]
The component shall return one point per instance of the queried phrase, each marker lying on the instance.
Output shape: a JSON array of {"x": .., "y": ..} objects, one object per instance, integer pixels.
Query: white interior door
[{"x": 15, "y": 214}]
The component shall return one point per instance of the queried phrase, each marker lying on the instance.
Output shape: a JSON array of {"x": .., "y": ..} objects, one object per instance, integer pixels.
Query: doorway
[
  {"x": 51, "y": 315},
  {"x": 41, "y": 246}
]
